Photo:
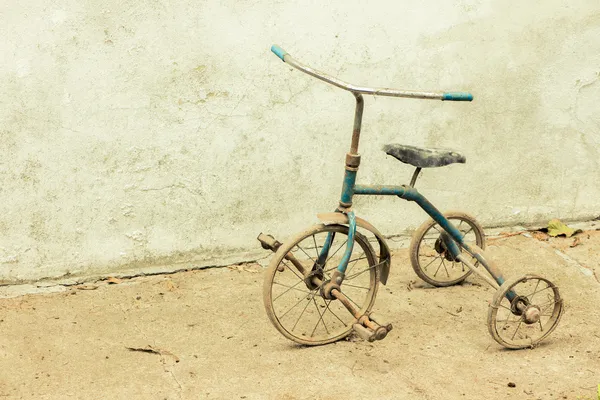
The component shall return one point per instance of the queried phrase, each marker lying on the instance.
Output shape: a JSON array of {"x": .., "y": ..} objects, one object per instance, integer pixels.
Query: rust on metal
[
  {"x": 352, "y": 160},
  {"x": 384, "y": 251},
  {"x": 291, "y": 258},
  {"x": 268, "y": 242},
  {"x": 358, "y": 113}
]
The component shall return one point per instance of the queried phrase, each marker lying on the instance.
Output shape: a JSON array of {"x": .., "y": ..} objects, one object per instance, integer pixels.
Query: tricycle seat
[{"x": 422, "y": 157}]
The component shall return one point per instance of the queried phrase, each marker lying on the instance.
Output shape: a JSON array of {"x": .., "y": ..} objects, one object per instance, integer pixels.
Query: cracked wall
[{"x": 139, "y": 134}]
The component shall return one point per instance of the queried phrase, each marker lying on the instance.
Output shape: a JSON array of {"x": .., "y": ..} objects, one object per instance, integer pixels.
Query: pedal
[
  {"x": 368, "y": 334},
  {"x": 379, "y": 321},
  {"x": 268, "y": 242},
  {"x": 364, "y": 333}
]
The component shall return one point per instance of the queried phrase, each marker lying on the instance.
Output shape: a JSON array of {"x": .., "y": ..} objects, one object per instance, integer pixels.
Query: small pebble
[{"x": 512, "y": 384}]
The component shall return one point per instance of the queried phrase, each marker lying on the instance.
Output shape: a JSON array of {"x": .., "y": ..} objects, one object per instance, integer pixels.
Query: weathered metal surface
[
  {"x": 489, "y": 265},
  {"x": 379, "y": 320},
  {"x": 423, "y": 157},
  {"x": 350, "y": 243},
  {"x": 334, "y": 283},
  {"x": 529, "y": 307},
  {"x": 380, "y": 190},
  {"x": 413, "y": 180},
  {"x": 384, "y": 250},
  {"x": 478, "y": 271},
  {"x": 361, "y": 89},
  {"x": 364, "y": 333},
  {"x": 324, "y": 253},
  {"x": 348, "y": 187},
  {"x": 268, "y": 242},
  {"x": 352, "y": 160},
  {"x": 358, "y": 113}
]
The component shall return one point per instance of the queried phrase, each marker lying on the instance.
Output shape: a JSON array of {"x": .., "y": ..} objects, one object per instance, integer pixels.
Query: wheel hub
[
  {"x": 440, "y": 248},
  {"x": 519, "y": 304},
  {"x": 532, "y": 315},
  {"x": 317, "y": 271}
]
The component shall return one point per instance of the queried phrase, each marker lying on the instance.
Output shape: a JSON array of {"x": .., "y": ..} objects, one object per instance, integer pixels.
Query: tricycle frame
[{"x": 407, "y": 192}]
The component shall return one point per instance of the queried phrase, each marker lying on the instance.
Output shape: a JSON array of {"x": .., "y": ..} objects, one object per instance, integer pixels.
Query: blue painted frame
[{"x": 350, "y": 189}]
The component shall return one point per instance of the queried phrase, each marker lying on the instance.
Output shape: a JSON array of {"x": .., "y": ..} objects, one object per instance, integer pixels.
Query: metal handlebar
[{"x": 450, "y": 96}]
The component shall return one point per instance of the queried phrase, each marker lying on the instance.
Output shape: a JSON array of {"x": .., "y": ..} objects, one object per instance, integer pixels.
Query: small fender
[{"x": 384, "y": 250}]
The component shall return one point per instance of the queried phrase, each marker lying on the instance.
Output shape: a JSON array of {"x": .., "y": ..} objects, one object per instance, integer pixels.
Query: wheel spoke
[
  {"x": 293, "y": 270},
  {"x": 534, "y": 291},
  {"x": 516, "y": 330},
  {"x": 331, "y": 311},
  {"x": 302, "y": 313},
  {"x": 290, "y": 288},
  {"x": 338, "y": 249},
  {"x": 307, "y": 255},
  {"x": 362, "y": 272},
  {"x": 292, "y": 307},
  {"x": 355, "y": 303},
  {"x": 548, "y": 306},
  {"x": 439, "y": 266},
  {"x": 445, "y": 268},
  {"x": 316, "y": 247},
  {"x": 320, "y": 319},
  {"x": 354, "y": 286},
  {"x": 355, "y": 261},
  {"x": 541, "y": 290},
  {"x": 508, "y": 318},
  {"x": 431, "y": 262}
]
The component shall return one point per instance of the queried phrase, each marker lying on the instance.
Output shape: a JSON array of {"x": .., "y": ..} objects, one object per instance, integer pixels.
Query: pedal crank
[{"x": 366, "y": 327}]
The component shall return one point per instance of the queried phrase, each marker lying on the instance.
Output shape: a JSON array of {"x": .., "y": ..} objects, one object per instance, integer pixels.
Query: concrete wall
[{"x": 142, "y": 133}]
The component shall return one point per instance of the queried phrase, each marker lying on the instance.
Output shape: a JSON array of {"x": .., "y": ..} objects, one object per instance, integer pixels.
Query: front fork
[{"x": 338, "y": 275}]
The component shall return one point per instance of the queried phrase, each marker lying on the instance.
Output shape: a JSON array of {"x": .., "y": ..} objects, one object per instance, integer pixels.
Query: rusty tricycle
[{"x": 321, "y": 284}]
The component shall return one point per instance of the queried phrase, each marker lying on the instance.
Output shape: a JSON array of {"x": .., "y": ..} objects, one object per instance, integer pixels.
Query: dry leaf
[
  {"x": 170, "y": 285},
  {"x": 576, "y": 242},
  {"x": 113, "y": 280},
  {"x": 557, "y": 228}
]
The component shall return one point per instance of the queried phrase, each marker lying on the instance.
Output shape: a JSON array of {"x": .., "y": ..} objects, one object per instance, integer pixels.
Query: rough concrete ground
[{"x": 210, "y": 338}]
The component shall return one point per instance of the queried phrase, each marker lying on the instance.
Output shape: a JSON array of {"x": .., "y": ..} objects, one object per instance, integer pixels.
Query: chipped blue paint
[
  {"x": 279, "y": 52},
  {"x": 381, "y": 190},
  {"x": 348, "y": 187},
  {"x": 325, "y": 250},
  {"x": 350, "y": 244},
  {"x": 457, "y": 96}
]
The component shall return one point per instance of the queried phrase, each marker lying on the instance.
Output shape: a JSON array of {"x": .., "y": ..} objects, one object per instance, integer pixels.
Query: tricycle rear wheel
[{"x": 428, "y": 257}]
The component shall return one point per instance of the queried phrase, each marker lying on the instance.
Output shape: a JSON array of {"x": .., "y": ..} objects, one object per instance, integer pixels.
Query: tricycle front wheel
[{"x": 296, "y": 307}]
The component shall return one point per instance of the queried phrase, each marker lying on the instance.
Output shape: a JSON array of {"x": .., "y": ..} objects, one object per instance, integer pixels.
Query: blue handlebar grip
[
  {"x": 279, "y": 52},
  {"x": 457, "y": 96}
]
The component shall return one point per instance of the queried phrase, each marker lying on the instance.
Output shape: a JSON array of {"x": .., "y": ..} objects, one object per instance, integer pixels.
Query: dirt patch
[{"x": 204, "y": 334}]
